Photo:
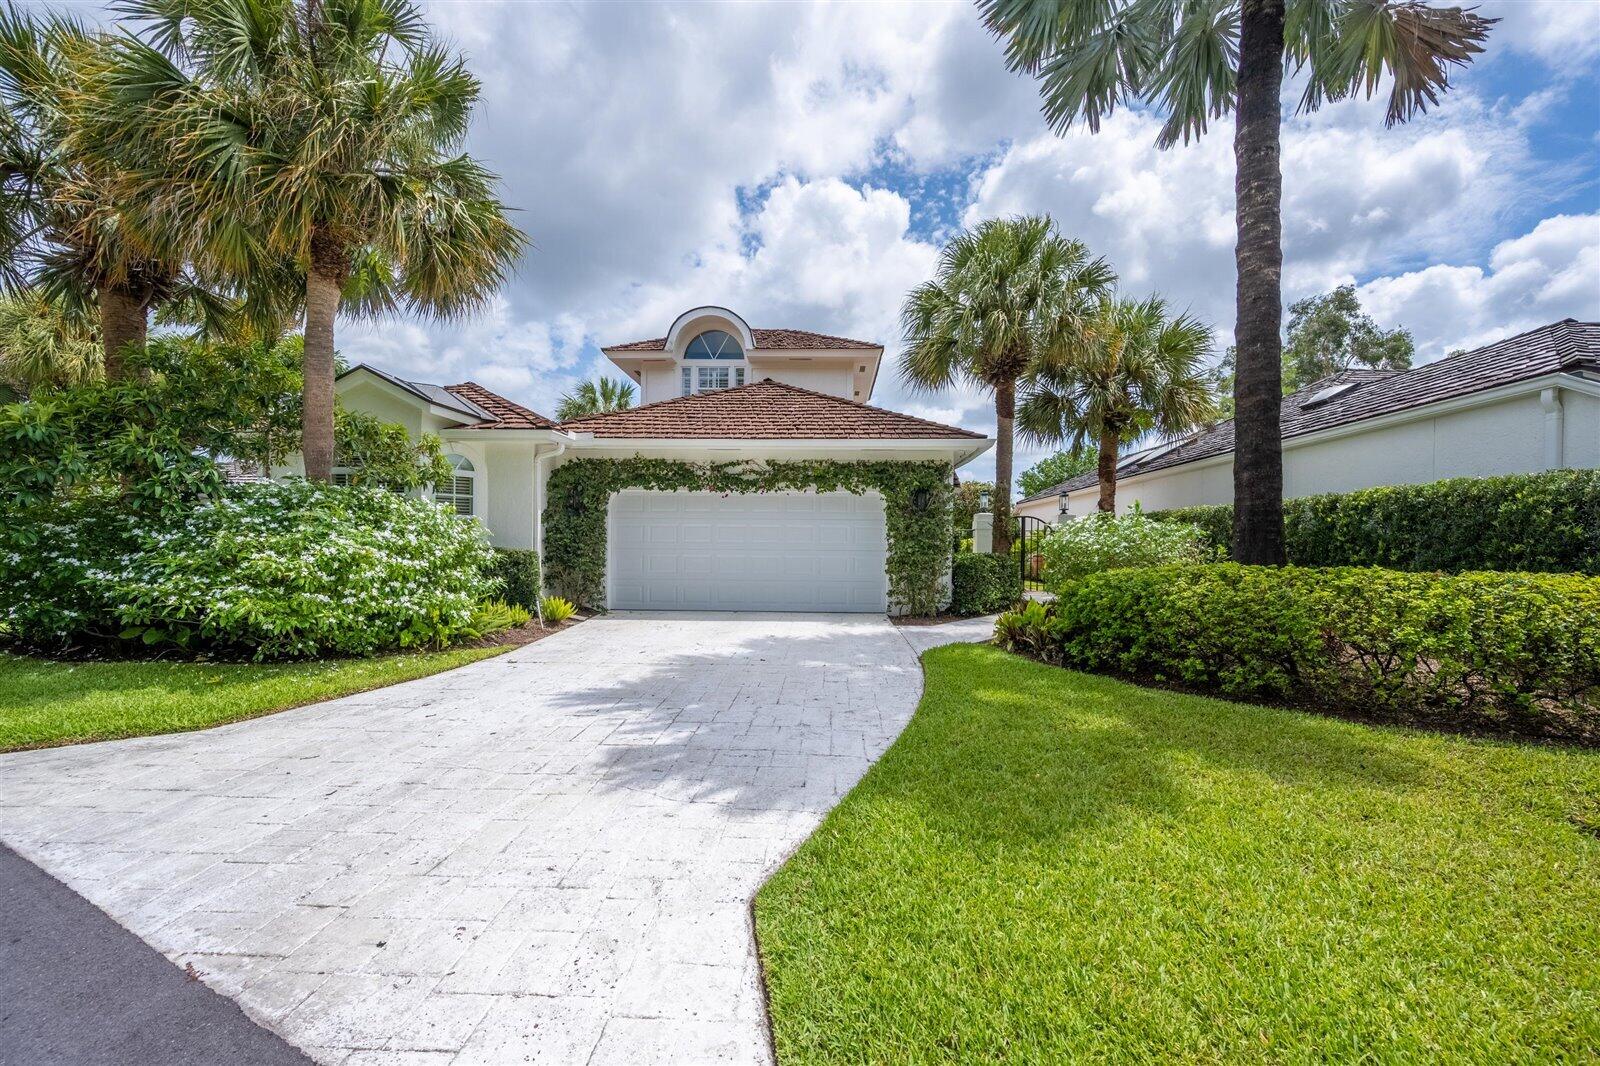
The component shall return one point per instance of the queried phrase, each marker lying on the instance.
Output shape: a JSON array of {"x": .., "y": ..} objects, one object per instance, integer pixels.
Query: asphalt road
[{"x": 77, "y": 989}]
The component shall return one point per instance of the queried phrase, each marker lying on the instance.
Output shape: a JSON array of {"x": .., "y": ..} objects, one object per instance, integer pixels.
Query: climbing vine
[{"x": 917, "y": 501}]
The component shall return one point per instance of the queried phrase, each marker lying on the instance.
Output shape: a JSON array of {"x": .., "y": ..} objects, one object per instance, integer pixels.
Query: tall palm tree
[
  {"x": 62, "y": 224},
  {"x": 1197, "y": 62},
  {"x": 319, "y": 141},
  {"x": 1001, "y": 291},
  {"x": 1134, "y": 370},
  {"x": 594, "y": 398}
]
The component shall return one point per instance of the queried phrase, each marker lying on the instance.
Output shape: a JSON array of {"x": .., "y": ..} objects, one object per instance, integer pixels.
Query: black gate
[{"x": 1027, "y": 539}]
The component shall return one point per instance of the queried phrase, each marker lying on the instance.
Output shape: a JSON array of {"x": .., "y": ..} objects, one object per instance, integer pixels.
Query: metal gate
[{"x": 1027, "y": 539}]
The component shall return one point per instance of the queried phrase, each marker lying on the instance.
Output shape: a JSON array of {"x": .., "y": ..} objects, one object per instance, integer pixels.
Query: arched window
[
  {"x": 714, "y": 344},
  {"x": 457, "y": 491}
]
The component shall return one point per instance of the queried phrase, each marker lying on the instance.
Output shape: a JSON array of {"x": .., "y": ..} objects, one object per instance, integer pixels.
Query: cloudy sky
[{"x": 801, "y": 164}]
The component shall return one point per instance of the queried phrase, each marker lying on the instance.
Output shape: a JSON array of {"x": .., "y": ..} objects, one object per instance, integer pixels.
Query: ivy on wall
[{"x": 917, "y": 501}]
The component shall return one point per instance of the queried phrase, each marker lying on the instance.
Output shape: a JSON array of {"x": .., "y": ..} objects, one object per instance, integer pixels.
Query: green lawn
[
  {"x": 43, "y": 703},
  {"x": 1053, "y": 867}
]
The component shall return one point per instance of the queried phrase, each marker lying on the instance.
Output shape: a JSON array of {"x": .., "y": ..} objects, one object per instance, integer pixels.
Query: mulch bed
[
  {"x": 929, "y": 620},
  {"x": 521, "y": 635}
]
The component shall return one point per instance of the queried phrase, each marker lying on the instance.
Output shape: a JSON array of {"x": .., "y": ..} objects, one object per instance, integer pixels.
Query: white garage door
[{"x": 778, "y": 551}]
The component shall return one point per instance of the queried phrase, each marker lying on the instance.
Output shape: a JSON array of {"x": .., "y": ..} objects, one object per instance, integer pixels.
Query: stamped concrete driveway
[{"x": 544, "y": 857}]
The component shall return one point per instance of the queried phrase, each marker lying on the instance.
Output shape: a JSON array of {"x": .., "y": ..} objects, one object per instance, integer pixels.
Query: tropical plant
[
  {"x": 1132, "y": 370},
  {"x": 64, "y": 233},
  {"x": 594, "y": 398},
  {"x": 1002, "y": 292},
  {"x": 318, "y": 142},
  {"x": 1198, "y": 62},
  {"x": 1054, "y": 469},
  {"x": 554, "y": 610},
  {"x": 42, "y": 348}
]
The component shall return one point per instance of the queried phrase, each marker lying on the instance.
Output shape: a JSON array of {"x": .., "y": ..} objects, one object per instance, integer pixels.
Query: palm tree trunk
[
  {"x": 1107, "y": 470},
  {"x": 316, "y": 424},
  {"x": 1258, "y": 255},
  {"x": 122, "y": 322},
  {"x": 1005, "y": 413}
]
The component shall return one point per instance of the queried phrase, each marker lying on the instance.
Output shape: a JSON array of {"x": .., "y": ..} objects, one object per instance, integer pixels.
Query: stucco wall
[{"x": 1507, "y": 437}]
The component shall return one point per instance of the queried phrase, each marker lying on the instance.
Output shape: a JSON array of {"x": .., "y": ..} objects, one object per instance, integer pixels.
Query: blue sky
[{"x": 800, "y": 163}]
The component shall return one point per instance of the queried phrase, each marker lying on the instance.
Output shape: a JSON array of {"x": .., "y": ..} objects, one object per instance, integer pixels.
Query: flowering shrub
[
  {"x": 1099, "y": 542},
  {"x": 273, "y": 571}
]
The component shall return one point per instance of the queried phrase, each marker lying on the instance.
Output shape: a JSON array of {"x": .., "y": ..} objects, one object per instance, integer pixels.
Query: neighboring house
[
  {"x": 1524, "y": 404},
  {"x": 713, "y": 390}
]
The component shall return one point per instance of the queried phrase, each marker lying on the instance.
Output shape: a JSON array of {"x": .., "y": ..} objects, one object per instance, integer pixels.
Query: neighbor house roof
[
  {"x": 765, "y": 339},
  {"x": 488, "y": 410},
  {"x": 764, "y": 410},
  {"x": 1353, "y": 396}
]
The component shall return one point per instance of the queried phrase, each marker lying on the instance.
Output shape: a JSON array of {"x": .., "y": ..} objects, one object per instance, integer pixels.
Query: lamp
[
  {"x": 983, "y": 499},
  {"x": 1062, "y": 502},
  {"x": 919, "y": 500}
]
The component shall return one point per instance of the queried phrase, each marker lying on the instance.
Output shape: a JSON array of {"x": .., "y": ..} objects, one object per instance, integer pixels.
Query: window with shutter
[{"x": 459, "y": 491}]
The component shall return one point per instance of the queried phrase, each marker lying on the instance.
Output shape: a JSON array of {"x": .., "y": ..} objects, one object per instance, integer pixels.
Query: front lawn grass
[
  {"x": 1054, "y": 867},
  {"x": 44, "y": 703}
]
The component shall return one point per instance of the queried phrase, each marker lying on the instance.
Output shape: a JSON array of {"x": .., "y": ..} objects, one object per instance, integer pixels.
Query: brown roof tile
[
  {"x": 764, "y": 410},
  {"x": 505, "y": 414},
  {"x": 765, "y": 339},
  {"x": 1568, "y": 345}
]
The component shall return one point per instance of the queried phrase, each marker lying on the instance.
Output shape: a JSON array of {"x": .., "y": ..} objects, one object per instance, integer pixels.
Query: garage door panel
[{"x": 775, "y": 551}]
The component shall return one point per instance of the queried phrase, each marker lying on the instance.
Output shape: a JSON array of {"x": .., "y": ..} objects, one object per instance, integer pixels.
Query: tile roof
[
  {"x": 764, "y": 410},
  {"x": 1566, "y": 346},
  {"x": 765, "y": 339},
  {"x": 502, "y": 413}
]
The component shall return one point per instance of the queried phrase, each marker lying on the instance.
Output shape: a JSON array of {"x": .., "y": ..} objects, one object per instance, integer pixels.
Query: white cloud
[
  {"x": 1550, "y": 273},
  {"x": 1564, "y": 34}
]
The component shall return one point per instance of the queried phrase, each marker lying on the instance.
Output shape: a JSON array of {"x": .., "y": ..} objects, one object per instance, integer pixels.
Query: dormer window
[{"x": 714, "y": 346}]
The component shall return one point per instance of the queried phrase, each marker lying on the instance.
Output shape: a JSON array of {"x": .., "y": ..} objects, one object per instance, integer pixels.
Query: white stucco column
[
  {"x": 982, "y": 533},
  {"x": 1554, "y": 431}
]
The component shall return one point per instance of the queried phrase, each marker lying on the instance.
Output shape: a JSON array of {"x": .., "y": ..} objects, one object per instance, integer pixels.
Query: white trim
[{"x": 747, "y": 336}]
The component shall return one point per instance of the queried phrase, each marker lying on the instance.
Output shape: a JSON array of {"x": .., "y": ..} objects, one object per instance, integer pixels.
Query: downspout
[{"x": 1554, "y": 429}]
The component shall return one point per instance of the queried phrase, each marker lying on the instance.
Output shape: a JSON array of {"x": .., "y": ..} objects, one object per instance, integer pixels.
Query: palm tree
[
  {"x": 62, "y": 228},
  {"x": 1001, "y": 290},
  {"x": 1198, "y": 61},
  {"x": 41, "y": 348},
  {"x": 1134, "y": 370},
  {"x": 593, "y": 398},
  {"x": 320, "y": 142}
]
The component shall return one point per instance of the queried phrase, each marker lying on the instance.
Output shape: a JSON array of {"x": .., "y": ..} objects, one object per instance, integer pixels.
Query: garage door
[{"x": 779, "y": 551}]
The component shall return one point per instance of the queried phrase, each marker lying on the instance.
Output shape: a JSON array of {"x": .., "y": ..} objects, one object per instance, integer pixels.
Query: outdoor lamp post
[
  {"x": 983, "y": 499},
  {"x": 1061, "y": 504}
]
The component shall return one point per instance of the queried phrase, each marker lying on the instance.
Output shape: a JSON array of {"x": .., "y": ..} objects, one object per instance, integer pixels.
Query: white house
[
  {"x": 1522, "y": 405},
  {"x": 712, "y": 390}
]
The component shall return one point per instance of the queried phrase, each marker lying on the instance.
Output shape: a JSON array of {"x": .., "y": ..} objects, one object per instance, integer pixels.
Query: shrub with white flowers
[
  {"x": 272, "y": 571},
  {"x": 1078, "y": 548}
]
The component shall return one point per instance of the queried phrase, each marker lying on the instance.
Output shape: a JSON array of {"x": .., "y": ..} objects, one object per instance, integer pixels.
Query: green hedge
[
  {"x": 1507, "y": 652},
  {"x": 515, "y": 572},
  {"x": 984, "y": 584},
  {"x": 1536, "y": 522}
]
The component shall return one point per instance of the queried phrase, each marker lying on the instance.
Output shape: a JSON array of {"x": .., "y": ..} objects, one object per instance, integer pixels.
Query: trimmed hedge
[
  {"x": 1536, "y": 522},
  {"x": 515, "y": 572},
  {"x": 1503, "y": 652},
  {"x": 984, "y": 584}
]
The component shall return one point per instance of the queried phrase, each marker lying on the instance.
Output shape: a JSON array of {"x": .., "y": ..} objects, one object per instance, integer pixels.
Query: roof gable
[
  {"x": 1567, "y": 346},
  {"x": 476, "y": 406},
  {"x": 764, "y": 410}
]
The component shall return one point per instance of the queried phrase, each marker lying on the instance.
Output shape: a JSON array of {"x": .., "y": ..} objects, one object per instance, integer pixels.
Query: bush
[
  {"x": 553, "y": 610},
  {"x": 984, "y": 584},
  {"x": 1099, "y": 542},
  {"x": 515, "y": 573},
  {"x": 1505, "y": 652},
  {"x": 494, "y": 617},
  {"x": 273, "y": 570},
  {"x": 1536, "y": 522}
]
